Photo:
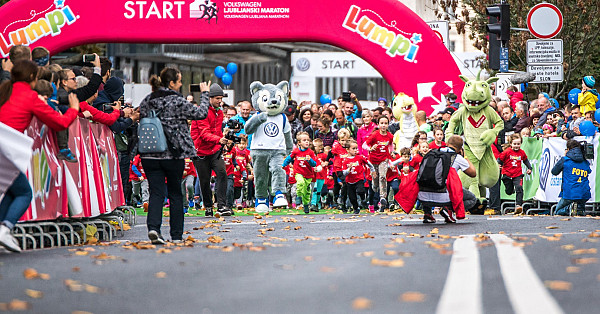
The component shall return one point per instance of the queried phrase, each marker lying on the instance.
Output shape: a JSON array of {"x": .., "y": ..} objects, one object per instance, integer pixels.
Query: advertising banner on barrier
[
  {"x": 44, "y": 174},
  {"x": 109, "y": 166}
]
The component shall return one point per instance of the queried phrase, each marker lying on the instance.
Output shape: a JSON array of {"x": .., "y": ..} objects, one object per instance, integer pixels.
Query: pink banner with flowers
[{"x": 385, "y": 33}]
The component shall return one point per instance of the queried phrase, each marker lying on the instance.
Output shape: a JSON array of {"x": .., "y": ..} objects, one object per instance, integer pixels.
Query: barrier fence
[{"x": 88, "y": 188}]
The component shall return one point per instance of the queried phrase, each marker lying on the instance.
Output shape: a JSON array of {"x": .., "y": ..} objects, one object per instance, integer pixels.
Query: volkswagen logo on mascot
[
  {"x": 544, "y": 168},
  {"x": 271, "y": 129}
]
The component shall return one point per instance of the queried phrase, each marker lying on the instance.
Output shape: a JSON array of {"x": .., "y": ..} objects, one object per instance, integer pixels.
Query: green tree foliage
[{"x": 580, "y": 35}]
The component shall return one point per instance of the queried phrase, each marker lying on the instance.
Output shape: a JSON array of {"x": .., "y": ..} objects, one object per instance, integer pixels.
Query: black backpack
[{"x": 434, "y": 171}]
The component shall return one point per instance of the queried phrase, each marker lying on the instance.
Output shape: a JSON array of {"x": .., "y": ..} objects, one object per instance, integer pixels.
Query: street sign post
[
  {"x": 441, "y": 29},
  {"x": 547, "y": 73},
  {"x": 544, "y": 51},
  {"x": 504, "y": 59},
  {"x": 544, "y": 20}
]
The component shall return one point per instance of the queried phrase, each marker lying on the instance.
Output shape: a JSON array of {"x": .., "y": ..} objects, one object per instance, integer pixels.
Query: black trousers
[
  {"x": 204, "y": 167},
  {"x": 124, "y": 163},
  {"x": 157, "y": 170},
  {"x": 514, "y": 185},
  {"x": 337, "y": 188},
  {"x": 355, "y": 189}
]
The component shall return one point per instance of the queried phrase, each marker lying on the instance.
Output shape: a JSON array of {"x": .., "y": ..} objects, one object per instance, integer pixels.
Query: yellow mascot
[{"x": 404, "y": 109}]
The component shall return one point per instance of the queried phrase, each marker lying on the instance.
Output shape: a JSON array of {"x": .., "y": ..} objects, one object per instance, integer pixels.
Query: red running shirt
[
  {"x": 383, "y": 149},
  {"x": 512, "y": 162}
]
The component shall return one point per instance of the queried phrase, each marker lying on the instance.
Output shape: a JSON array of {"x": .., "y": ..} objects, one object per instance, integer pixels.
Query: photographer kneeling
[
  {"x": 575, "y": 180},
  {"x": 208, "y": 139}
]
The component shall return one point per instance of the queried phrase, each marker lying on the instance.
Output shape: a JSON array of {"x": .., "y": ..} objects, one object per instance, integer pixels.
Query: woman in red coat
[{"x": 18, "y": 104}]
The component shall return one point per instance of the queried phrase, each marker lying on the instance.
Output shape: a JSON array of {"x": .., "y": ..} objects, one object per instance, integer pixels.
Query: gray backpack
[{"x": 151, "y": 137}]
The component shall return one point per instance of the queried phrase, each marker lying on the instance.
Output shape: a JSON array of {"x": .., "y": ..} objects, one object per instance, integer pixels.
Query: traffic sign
[
  {"x": 544, "y": 51},
  {"x": 547, "y": 73},
  {"x": 503, "y": 84},
  {"x": 544, "y": 20},
  {"x": 504, "y": 59},
  {"x": 441, "y": 29}
]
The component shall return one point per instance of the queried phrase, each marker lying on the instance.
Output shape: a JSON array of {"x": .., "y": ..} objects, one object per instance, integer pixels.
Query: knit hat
[
  {"x": 215, "y": 90},
  {"x": 589, "y": 81},
  {"x": 382, "y": 99}
]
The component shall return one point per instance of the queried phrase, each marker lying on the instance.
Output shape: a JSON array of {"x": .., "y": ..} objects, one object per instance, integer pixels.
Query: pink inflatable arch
[{"x": 385, "y": 33}]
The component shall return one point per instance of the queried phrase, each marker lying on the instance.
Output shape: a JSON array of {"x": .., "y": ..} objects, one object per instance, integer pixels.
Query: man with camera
[
  {"x": 349, "y": 103},
  {"x": 208, "y": 139},
  {"x": 243, "y": 116}
]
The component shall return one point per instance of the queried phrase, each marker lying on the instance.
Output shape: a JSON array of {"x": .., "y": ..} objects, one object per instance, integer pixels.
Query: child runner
[
  {"x": 354, "y": 172},
  {"x": 392, "y": 176},
  {"x": 242, "y": 157},
  {"x": 438, "y": 139},
  {"x": 304, "y": 160},
  {"x": 187, "y": 184},
  {"x": 380, "y": 146},
  {"x": 139, "y": 183},
  {"x": 320, "y": 176},
  {"x": 339, "y": 153},
  {"x": 512, "y": 171},
  {"x": 417, "y": 158}
]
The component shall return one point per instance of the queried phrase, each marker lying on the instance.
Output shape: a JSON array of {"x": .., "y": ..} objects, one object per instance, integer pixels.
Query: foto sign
[
  {"x": 544, "y": 20},
  {"x": 548, "y": 73},
  {"x": 441, "y": 29},
  {"x": 544, "y": 51}
]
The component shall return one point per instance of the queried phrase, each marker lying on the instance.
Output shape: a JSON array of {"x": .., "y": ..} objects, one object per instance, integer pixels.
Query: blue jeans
[
  {"x": 563, "y": 204},
  {"x": 15, "y": 201}
]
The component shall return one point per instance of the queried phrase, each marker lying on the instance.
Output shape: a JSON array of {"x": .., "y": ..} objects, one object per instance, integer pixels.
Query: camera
[
  {"x": 346, "y": 96},
  {"x": 195, "y": 88},
  {"x": 89, "y": 58},
  {"x": 234, "y": 125},
  {"x": 587, "y": 149},
  {"x": 107, "y": 107}
]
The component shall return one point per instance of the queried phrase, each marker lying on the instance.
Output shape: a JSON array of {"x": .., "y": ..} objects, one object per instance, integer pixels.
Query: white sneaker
[
  {"x": 280, "y": 201},
  {"x": 8, "y": 241}
]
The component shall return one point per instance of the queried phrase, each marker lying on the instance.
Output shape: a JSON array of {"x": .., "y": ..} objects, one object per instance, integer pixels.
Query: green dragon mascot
[{"x": 480, "y": 125}]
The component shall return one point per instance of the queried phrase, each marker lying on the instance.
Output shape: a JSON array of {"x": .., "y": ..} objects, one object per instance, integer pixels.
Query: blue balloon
[
  {"x": 220, "y": 71},
  {"x": 325, "y": 99},
  {"x": 554, "y": 102},
  {"x": 227, "y": 79},
  {"x": 232, "y": 68},
  {"x": 573, "y": 95},
  {"x": 597, "y": 114},
  {"x": 587, "y": 128}
]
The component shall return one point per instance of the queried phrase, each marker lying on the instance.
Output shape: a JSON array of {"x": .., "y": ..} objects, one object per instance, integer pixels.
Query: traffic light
[
  {"x": 493, "y": 48},
  {"x": 502, "y": 27}
]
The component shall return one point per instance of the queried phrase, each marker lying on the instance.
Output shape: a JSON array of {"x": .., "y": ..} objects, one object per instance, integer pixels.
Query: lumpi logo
[{"x": 50, "y": 24}]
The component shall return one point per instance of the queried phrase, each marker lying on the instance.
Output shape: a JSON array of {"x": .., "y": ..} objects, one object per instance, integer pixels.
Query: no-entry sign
[{"x": 544, "y": 20}]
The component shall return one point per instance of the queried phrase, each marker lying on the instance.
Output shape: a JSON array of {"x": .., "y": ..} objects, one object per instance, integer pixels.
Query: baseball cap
[
  {"x": 448, "y": 110},
  {"x": 290, "y": 110}
]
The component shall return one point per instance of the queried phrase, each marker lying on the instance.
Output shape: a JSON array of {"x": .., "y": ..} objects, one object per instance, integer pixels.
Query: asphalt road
[{"x": 323, "y": 264}]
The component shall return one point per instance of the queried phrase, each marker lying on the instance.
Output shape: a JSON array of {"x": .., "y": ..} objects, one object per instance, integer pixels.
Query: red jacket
[
  {"x": 99, "y": 116},
  {"x": 207, "y": 133},
  {"x": 24, "y": 103},
  {"x": 409, "y": 191}
]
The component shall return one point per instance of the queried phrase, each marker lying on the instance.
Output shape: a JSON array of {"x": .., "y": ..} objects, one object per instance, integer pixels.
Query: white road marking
[
  {"x": 526, "y": 291},
  {"x": 335, "y": 221},
  {"x": 462, "y": 291},
  {"x": 508, "y": 218}
]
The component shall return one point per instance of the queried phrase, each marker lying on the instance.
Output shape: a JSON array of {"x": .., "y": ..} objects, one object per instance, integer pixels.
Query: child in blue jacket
[{"x": 575, "y": 183}]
